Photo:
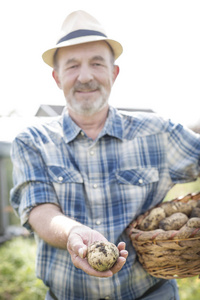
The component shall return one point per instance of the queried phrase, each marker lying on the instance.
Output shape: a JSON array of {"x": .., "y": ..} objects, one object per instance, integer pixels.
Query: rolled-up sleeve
[
  {"x": 183, "y": 153},
  {"x": 31, "y": 184}
]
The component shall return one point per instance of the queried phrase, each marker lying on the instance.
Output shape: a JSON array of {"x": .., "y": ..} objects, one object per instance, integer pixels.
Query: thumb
[
  {"x": 82, "y": 252},
  {"x": 75, "y": 245}
]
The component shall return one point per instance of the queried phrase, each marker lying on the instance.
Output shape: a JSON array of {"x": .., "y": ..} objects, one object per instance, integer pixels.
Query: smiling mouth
[{"x": 86, "y": 91}]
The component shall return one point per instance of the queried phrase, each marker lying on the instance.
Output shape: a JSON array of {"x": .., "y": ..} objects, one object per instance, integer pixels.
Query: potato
[
  {"x": 174, "y": 222},
  {"x": 102, "y": 255},
  {"x": 169, "y": 209},
  {"x": 184, "y": 208},
  {"x": 194, "y": 203},
  {"x": 175, "y": 207},
  {"x": 195, "y": 212},
  {"x": 151, "y": 221},
  {"x": 193, "y": 223}
]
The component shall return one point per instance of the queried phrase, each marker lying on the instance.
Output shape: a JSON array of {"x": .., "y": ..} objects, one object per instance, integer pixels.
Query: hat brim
[{"x": 49, "y": 54}]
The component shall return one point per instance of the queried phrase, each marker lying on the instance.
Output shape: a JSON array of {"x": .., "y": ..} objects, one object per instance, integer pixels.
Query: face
[{"x": 86, "y": 74}]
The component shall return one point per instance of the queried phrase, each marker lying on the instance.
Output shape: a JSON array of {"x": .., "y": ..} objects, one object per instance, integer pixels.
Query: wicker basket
[{"x": 168, "y": 254}]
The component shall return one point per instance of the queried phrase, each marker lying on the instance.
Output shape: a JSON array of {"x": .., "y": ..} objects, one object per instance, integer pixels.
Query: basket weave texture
[{"x": 168, "y": 254}]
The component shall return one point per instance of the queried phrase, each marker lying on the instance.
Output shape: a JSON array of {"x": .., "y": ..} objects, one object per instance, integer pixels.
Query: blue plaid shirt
[{"x": 103, "y": 184}]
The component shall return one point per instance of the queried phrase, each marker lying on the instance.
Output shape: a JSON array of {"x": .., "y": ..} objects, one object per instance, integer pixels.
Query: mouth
[{"x": 86, "y": 92}]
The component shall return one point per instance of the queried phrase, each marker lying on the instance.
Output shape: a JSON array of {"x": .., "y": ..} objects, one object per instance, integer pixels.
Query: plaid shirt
[{"x": 103, "y": 184}]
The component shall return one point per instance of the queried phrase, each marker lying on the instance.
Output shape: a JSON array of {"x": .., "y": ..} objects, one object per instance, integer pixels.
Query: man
[{"x": 86, "y": 175}]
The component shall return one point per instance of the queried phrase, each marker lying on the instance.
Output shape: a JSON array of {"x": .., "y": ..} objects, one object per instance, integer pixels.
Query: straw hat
[{"x": 80, "y": 27}]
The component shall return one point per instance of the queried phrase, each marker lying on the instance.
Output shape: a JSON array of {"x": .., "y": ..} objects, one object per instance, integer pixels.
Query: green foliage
[
  {"x": 17, "y": 271},
  {"x": 189, "y": 288},
  {"x": 183, "y": 189}
]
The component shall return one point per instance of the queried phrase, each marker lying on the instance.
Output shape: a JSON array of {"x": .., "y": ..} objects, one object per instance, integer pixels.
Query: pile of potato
[{"x": 172, "y": 216}]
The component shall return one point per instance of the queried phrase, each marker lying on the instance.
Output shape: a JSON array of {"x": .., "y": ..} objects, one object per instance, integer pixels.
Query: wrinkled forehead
[{"x": 86, "y": 50}]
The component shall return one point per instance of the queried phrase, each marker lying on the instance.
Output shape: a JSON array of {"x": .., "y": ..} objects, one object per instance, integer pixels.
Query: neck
[{"x": 91, "y": 125}]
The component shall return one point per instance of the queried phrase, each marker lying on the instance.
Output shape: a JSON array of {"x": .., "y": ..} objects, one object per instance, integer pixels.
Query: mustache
[{"x": 91, "y": 85}]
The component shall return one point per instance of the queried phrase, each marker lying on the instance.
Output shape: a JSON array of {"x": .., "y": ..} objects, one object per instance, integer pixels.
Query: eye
[
  {"x": 73, "y": 67},
  {"x": 97, "y": 65}
]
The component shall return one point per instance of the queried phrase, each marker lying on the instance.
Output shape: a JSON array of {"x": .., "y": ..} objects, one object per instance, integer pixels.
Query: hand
[{"x": 79, "y": 239}]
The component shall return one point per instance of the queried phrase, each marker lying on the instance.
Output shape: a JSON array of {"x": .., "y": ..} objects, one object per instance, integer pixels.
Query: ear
[
  {"x": 56, "y": 78},
  {"x": 115, "y": 72}
]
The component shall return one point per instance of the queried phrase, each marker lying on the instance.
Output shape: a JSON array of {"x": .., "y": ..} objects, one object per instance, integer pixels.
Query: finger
[
  {"x": 124, "y": 253},
  {"x": 118, "y": 265},
  {"x": 121, "y": 246}
]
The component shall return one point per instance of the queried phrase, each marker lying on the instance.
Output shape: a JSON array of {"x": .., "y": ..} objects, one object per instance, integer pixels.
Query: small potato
[
  {"x": 151, "y": 221},
  {"x": 169, "y": 209},
  {"x": 193, "y": 223},
  {"x": 193, "y": 203},
  {"x": 174, "y": 207},
  {"x": 195, "y": 212},
  {"x": 184, "y": 208},
  {"x": 174, "y": 222},
  {"x": 102, "y": 255}
]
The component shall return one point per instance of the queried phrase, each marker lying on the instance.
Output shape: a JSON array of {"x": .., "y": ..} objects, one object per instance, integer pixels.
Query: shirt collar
[
  {"x": 112, "y": 127},
  {"x": 70, "y": 128},
  {"x": 114, "y": 124}
]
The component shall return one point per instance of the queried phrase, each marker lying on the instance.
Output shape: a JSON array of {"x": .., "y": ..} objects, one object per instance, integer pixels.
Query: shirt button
[
  {"x": 107, "y": 298},
  {"x": 140, "y": 180},
  {"x": 60, "y": 178},
  {"x": 91, "y": 152},
  {"x": 95, "y": 186},
  {"x": 98, "y": 222},
  {"x": 82, "y": 133}
]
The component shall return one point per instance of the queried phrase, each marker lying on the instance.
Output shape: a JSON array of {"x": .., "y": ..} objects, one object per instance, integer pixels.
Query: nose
[{"x": 85, "y": 74}]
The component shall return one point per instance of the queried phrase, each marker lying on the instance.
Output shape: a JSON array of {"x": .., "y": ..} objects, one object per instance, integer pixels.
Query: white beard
[{"x": 87, "y": 107}]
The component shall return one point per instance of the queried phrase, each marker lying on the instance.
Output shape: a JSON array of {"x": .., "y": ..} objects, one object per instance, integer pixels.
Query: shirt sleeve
[
  {"x": 31, "y": 184},
  {"x": 183, "y": 152}
]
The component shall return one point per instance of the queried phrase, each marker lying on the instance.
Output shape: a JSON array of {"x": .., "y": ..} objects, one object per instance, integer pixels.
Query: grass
[{"x": 17, "y": 271}]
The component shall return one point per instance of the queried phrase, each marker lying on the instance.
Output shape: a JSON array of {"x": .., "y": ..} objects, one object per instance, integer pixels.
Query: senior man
[{"x": 87, "y": 174}]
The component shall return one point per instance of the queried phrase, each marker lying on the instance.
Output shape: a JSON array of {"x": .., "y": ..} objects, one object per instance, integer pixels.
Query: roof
[{"x": 49, "y": 110}]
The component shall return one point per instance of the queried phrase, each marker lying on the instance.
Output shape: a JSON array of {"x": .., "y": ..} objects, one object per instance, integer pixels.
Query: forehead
[{"x": 86, "y": 50}]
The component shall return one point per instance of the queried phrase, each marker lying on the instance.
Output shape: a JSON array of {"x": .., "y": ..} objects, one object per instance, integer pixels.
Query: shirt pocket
[
  {"x": 68, "y": 187},
  {"x": 138, "y": 177},
  {"x": 60, "y": 174}
]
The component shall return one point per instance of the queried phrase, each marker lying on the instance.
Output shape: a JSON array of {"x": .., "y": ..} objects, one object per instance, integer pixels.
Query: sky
[{"x": 159, "y": 67}]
